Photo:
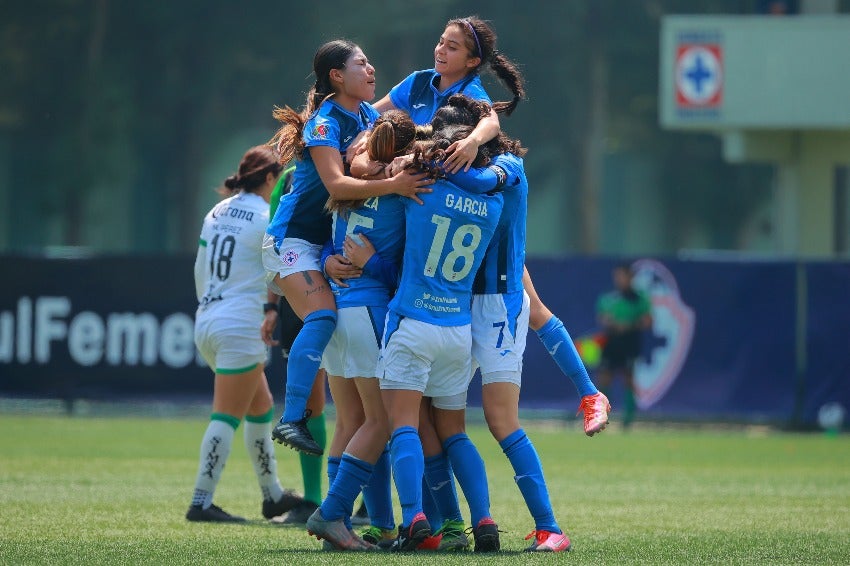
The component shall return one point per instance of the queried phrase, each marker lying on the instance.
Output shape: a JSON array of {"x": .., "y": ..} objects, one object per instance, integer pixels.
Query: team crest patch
[
  {"x": 290, "y": 257},
  {"x": 672, "y": 328},
  {"x": 320, "y": 131}
]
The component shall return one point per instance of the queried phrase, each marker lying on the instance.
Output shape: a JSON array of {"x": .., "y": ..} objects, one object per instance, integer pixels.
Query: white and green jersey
[{"x": 229, "y": 272}]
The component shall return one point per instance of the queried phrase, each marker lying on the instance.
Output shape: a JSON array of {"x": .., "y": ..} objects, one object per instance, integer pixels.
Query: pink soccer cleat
[
  {"x": 545, "y": 541},
  {"x": 595, "y": 408}
]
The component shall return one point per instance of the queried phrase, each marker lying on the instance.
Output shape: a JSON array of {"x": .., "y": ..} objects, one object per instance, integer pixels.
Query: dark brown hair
[
  {"x": 392, "y": 135},
  {"x": 461, "y": 109},
  {"x": 256, "y": 164},
  {"x": 289, "y": 139},
  {"x": 481, "y": 42}
]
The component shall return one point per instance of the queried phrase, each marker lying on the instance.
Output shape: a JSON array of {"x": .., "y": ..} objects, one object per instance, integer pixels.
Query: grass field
[{"x": 114, "y": 491}]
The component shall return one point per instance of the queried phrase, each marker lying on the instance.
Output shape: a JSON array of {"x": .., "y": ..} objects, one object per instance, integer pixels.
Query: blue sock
[
  {"x": 529, "y": 478},
  {"x": 304, "y": 359},
  {"x": 441, "y": 486},
  {"x": 430, "y": 508},
  {"x": 560, "y": 346},
  {"x": 350, "y": 476},
  {"x": 471, "y": 475},
  {"x": 378, "y": 495},
  {"x": 408, "y": 464},
  {"x": 333, "y": 469}
]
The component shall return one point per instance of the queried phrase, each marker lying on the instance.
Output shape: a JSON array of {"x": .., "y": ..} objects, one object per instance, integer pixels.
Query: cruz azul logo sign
[
  {"x": 671, "y": 335},
  {"x": 699, "y": 72}
]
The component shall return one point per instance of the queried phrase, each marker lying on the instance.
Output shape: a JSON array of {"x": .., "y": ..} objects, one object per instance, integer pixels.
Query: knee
[{"x": 501, "y": 421}]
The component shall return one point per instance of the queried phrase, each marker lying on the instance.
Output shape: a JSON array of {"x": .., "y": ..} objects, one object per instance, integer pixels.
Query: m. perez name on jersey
[{"x": 466, "y": 204}]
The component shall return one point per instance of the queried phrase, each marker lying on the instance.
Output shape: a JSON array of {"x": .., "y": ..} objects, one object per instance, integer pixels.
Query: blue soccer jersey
[
  {"x": 301, "y": 211},
  {"x": 446, "y": 241},
  {"x": 381, "y": 219},
  {"x": 418, "y": 95},
  {"x": 503, "y": 265},
  {"x": 502, "y": 268}
]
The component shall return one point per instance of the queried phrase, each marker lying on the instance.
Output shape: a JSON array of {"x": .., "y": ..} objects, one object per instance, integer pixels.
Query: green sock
[
  {"x": 312, "y": 466},
  {"x": 629, "y": 413}
]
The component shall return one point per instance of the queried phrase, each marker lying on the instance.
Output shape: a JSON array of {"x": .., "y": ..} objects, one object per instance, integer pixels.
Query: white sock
[
  {"x": 260, "y": 448},
  {"x": 215, "y": 448}
]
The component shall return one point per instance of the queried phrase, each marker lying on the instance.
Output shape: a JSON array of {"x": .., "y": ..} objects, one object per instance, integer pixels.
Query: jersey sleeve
[
  {"x": 321, "y": 131},
  {"x": 200, "y": 272},
  {"x": 400, "y": 93},
  {"x": 383, "y": 270},
  {"x": 327, "y": 251},
  {"x": 479, "y": 180},
  {"x": 504, "y": 171}
]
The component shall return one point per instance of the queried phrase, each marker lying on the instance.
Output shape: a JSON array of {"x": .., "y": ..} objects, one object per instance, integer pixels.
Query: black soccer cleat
[
  {"x": 212, "y": 514},
  {"x": 286, "y": 503},
  {"x": 299, "y": 514},
  {"x": 410, "y": 537},
  {"x": 295, "y": 434},
  {"x": 486, "y": 536}
]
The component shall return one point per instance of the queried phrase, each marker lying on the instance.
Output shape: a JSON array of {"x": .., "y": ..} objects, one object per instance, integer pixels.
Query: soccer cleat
[
  {"x": 430, "y": 543},
  {"x": 288, "y": 501},
  {"x": 212, "y": 514},
  {"x": 295, "y": 434},
  {"x": 410, "y": 537},
  {"x": 452, "y": 536},
  {"x": 361, "y": 517},
  {"x": 545, "y": 541},
  {"x": 382, "y": 538},
  {"x": 486, "y": 536},
  {"x": 336, "y": 533},
  {"x": 596, "y": 408},
  {"x": 299, "y": 514}
]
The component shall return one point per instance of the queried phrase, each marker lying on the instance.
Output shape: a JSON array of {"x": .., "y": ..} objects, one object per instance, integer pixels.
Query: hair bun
[{"x": 232, "y": 182}]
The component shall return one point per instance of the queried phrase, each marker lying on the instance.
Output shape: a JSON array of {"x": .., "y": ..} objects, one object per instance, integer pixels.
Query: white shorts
[
  {"x": 229, "y": 345},
  {"x": 434, "y": 360},
  {"x": 499, "y": 331},
  {"x": 356, "y": 342},
  {"x": 292, "y": 256}
]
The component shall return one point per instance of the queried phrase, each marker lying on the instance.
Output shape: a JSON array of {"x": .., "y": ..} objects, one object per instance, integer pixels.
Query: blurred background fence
[{"x": 757, "y": 341}]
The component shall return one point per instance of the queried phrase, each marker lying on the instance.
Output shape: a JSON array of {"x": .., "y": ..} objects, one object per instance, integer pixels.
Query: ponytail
[{"x": 481, "y": 42}]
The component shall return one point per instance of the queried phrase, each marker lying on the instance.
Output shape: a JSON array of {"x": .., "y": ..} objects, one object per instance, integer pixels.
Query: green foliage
[
  {"x": 123, "y": 116},
  {"x": 114, "y": 491}
]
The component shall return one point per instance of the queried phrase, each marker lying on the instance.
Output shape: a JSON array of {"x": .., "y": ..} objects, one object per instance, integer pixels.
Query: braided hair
[{"x": 481, "y": 41}]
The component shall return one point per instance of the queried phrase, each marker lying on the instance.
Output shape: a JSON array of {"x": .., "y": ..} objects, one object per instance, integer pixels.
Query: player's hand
[
  {"x": 410, "y": 183},
  {"x": 357, "y": 147},
  {"x": 267, "y": 328},
  {"x": 398, "y": 164},
  {"x": 358, "y": 254},
  {"x": 461, "y": 154},
  {"x": 339, "y": 268}
]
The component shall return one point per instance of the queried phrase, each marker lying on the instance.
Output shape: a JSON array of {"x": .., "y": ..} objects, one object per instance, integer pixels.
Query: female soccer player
[
  {"x": 500, "y": 310},
  {"x": 351, "y": 356},
  {"x": 464, "y": 48},
  {"x": 229, "y": 282},
  {"x": 335, "y": 112},
  {"x": 312, "y": 467},
  {"x": 427, "y": 340}
]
